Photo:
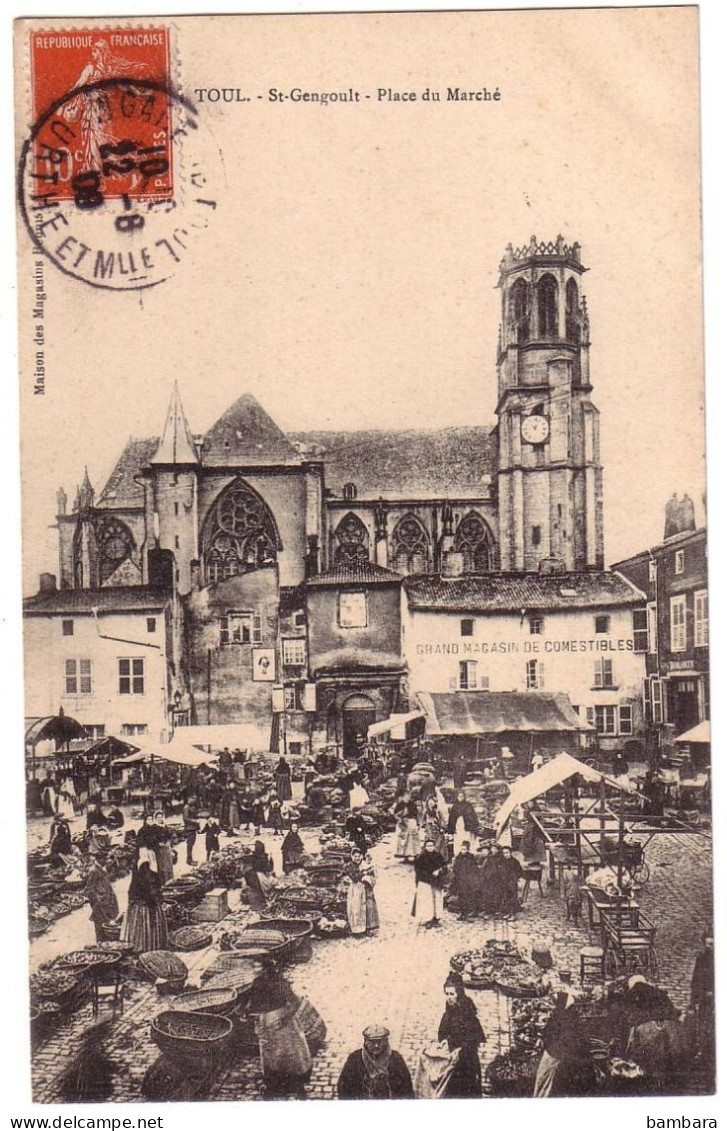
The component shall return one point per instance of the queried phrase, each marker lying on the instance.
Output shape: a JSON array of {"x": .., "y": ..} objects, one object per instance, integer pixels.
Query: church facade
[{"x": 287, "y": 560}]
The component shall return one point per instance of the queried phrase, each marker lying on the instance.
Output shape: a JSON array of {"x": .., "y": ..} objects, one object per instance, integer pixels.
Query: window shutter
[
  {"x": 485, "y": 682},
  {"x": 625, "y": 719},
  {"x": 453, "y": 683},
  {"x": 257, "y": 629},
  {"x": 541, "y": 674},
  {"x": 590, "y": 715},
  {"x": 224, "y": 630},
  {"x": 640, "y": 626}
]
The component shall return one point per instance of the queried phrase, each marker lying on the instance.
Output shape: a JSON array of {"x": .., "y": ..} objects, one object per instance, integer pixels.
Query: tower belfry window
[
  {"x": 572, "y": 314},
  {"x": 547, "y": 307},
  {"x": 519, "y": 310}
]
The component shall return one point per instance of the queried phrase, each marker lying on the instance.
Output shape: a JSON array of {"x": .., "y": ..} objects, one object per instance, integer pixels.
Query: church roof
[
  {"x": 388, "y": 464},
  {"x": 121, "y": 489},
  {"x": 413, "y": 464},
  {"x": 513, "y": 592},
  {"x": 360, "y": 573},
  {"x": 176, "y": 445},
  {"x": 245, "y": 434}
]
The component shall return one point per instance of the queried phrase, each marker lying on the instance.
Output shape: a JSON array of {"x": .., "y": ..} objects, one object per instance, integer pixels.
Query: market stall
[{"x": 473, "y": 725}]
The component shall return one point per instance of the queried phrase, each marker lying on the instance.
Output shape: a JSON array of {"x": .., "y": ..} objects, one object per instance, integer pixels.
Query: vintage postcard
[{"x": 366, "y": 616}]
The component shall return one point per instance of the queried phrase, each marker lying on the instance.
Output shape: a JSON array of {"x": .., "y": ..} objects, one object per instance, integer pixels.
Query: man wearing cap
[{"x": 375, "y": 1072}]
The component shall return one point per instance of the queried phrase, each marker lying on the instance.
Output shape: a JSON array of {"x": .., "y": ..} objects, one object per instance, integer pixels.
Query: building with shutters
[
  {"x": 309, "y": 569},
  {"x": 673, "y": 575}
]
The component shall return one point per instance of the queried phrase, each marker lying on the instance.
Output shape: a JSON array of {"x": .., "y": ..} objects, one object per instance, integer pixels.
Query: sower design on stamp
[{"x": 100, "y": 184}]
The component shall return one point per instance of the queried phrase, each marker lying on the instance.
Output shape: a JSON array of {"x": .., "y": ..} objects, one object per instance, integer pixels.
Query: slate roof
[
  {"x": 367, "y": 573},
  {"x": 122, "y": 599},
  {"x": 415, "y": 464},
  {"x": 176, "y": 445},
  {"x": 246, "y": 434},
  {"x": 512, "y": 592},
  {"x": 121, "y": 490},
  {"x": 447, "y": 462}
]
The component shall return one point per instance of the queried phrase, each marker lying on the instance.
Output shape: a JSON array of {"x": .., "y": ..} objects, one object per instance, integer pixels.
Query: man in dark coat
[
  {"x": 376, "y": 1071},
  {"x": 429, "y": 869}
]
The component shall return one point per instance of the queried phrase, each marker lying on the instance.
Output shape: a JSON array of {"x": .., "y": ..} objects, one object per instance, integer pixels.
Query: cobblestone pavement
[{"x": 396, "y": 977}]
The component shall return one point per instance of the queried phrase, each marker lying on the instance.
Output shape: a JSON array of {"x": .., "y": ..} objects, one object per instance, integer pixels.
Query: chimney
[{"x": 47, "y": 583}]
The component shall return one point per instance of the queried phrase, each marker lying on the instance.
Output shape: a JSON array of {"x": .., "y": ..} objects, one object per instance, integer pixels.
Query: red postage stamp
[{"x": 111, "y": 139}]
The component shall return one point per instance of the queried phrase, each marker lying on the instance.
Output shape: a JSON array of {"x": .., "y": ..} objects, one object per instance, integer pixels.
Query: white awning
[
  {"x": 553, "y": 773},
  {"x": 394, "y": 722},
  {"x": 700, "y": 733},
  {"x": 182, "y": 754}
]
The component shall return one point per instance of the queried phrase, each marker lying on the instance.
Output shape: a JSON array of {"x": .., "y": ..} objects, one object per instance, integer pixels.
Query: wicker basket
[
  {"x": 162, "y": 964},
  {"x": 210, "y": 1000},
  {"x": 296, "y": 932},
  {"x": 512, "y": 989},
  {"x": 231, "y": 961},
  {"x": 190, "y": 938},
  {"x": 190, "y": 1036}
]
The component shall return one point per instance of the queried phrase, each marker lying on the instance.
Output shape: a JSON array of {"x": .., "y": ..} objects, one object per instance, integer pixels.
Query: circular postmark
[{"x": 115, "y": 182}]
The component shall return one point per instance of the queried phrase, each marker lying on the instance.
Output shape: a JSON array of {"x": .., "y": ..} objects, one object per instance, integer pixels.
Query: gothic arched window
[
  {"x": 239, "y": 534},
  {"x": 572, "y": 319},
  {"x": 547, "y": 307},
  {"x": 115, "y": 544},
  {"x": 474, "y": 542},
  {"x": 410, "y": 546},
  {"x": 519, "y": 310},
  {"x": 352, "y": 541}
]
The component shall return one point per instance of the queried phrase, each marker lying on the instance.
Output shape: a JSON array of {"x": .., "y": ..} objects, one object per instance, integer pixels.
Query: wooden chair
[{"x": 107, "y": 985}]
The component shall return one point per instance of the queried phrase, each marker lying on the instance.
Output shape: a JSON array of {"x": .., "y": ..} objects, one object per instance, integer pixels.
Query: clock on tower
[{"x": 549, "y": 473}]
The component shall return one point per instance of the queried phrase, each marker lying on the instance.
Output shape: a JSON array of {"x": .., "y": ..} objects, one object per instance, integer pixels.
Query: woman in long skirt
[
  {"x": 145, "y": 926},
  {"x": 283, "y": 786},
  {"x": 433, "y": 828},
  {"x": 285, "y": 1057},
  {"x": 460, "y": 1028},
  {"x": 407, "y": 829},
  {"x": 359, "y": 879},
  {"x": 163, "y": 850}
]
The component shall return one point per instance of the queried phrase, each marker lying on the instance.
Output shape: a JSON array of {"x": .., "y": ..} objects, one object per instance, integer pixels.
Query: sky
[{"x": 348, "y": 278}]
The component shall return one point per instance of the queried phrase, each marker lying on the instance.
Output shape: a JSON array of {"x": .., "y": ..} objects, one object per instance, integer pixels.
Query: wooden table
[{"x": 597, "y": 901}]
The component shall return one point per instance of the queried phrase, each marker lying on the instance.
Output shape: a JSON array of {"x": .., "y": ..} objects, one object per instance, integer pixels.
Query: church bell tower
[{"x": 550, "y": 486}]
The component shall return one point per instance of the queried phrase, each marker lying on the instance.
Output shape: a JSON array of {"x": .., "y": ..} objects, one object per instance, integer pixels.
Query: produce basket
[
  {"x": 296, "y": 932},
  {"x": 231, "y": 961},
  {"x": 478, "y": 982},
  {"x": 190, "y": 938},
  {"x": 82, "y": 960},
  {"x": 191, "y": 1036},
  {"x": 512, "y": 1074},
  {"x": 238, "y": 980},
  {"x": 162, "y": 964},
  {"x": 110, "y": 946},
  {"x": 518, "y": 989},
  {"x": 211, "y": 1000}
]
